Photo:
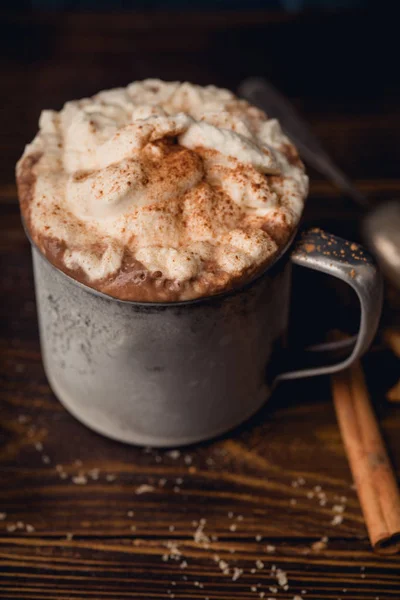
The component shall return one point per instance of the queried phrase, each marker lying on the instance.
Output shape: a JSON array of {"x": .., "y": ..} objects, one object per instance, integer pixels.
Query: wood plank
[{"x": 133, "y": 568}]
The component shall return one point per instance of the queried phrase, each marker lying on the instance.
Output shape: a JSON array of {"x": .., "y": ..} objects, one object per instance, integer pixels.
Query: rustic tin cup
[{"x": 170, "y": 374}]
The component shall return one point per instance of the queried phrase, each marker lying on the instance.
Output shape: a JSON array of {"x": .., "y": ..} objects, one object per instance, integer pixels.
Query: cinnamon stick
[
  {"x": 392, "y": 338},
  {"x": 372, "y": 472},
  {"x": 393, "y": 394}
]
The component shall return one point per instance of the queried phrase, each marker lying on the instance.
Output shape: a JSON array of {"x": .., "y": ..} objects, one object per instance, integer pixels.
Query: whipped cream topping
[{"x": 189, "y": 181}]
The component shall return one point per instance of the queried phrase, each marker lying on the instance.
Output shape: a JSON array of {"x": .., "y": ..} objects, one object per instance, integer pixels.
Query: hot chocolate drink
[{"x": 161, "y": 191}]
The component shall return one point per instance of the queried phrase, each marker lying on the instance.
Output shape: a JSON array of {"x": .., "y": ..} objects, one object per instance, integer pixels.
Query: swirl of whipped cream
[{"x": 188, "y": 182}]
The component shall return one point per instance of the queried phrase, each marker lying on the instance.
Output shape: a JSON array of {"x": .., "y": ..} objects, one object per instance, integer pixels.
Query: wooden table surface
[{"x": 269, "y": 510}]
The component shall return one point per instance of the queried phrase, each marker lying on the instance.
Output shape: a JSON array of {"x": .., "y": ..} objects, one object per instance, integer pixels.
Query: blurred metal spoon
[{"x": 381, "y": 224}]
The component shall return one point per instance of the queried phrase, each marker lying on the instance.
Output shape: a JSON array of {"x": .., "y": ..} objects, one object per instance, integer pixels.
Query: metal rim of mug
[{"x": 212, "y": 298}]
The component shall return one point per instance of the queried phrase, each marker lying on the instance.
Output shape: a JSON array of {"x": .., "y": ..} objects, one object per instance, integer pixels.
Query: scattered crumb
[
  {"x": 94, "y": 474},
  {"x": 144, "y": 488},
  {"x": 79, "y": 479},
  {"x": 337, "y": 520},
  {"x": 233, "y": 527},
  {"x": 3, "y": 515},
  {"x": 46, "y": 459},
  {"x": 174, "y": 552},
  {"x": 224, "y": 567},
  {"x": 199, "y": 536},
  {"x": 69, "y": 536},
  {"x": 259, "y": 564},
  {"x": 281, "y": 578},
  {"x": 258, "y": 538},
  {"x": 270, "y": 549},
  {"x": 174, "y": 454},
  {"x": 30, "y": 528},
  {"x": 130, "y": 513},
  {"x": 319, "y": 545},
  {"x": 298, "y": 482},
  {"x": 38, "y": 446},
  {"x": 31, "y": 431},
  {"x": 236, "y": 573},
  {"x": 111, "y": 477}
]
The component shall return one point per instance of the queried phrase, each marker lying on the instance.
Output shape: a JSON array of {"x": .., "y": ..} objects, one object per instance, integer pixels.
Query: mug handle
[{"x": 321, "y": 251}]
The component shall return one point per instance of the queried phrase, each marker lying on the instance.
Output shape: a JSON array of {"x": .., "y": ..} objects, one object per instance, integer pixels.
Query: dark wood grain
[{"x": 77, "y": 521}]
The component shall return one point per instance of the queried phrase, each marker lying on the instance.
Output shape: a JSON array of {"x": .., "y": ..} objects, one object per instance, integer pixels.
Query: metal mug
[{"x": 170, "y": 374}]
